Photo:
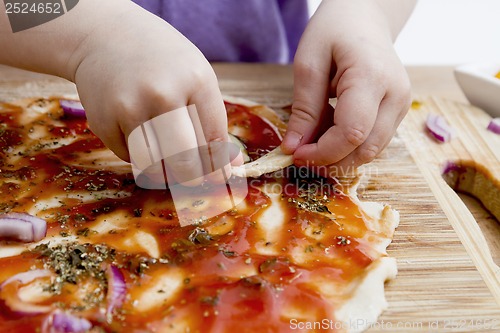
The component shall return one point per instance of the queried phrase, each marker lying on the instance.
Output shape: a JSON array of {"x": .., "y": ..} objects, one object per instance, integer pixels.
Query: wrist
[
  {"x": 353, "y": 21},
  {"x": 99, "y": 32},
  {"x": 57, "y": 47},
  {"x": 396, "y": 13}
]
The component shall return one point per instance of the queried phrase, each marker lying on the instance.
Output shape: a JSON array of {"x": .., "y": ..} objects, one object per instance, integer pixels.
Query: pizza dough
[{"x": 300, "y": 254}]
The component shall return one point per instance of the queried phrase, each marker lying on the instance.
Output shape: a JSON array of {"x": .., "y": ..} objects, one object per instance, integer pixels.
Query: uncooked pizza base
[{"x": 356, "y": 305}]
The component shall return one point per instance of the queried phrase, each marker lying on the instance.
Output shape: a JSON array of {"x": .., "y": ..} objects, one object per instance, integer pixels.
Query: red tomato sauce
[{"x": 216, "y": 300}]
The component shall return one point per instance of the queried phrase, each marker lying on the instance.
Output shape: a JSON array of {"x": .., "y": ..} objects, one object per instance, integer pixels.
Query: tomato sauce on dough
[{"x": 228, "y": 276}]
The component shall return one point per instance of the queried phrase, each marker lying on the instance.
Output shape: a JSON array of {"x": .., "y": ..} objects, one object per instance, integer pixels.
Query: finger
[
  {"x": 171, "y": 137},
  {"x": 216, "y": 161},
  {"x": 311, "y": 67},
  {"x": 110, "y": 134},
  {"x": 236, "y": 155},
  {"x": 377, "y": 141},
  {"x": 391, "y": 113},
  {"x": 203, "y": 121},
  {"x": 103, "y": 125},
  {"x": 326, "y": 122},
  {"x": 392, "y": 110},
  {"x": 210, "y": 121},
  {"x": 355, "y": 115}
]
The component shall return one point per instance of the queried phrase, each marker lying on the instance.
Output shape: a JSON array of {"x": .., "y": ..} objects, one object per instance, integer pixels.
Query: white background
[{"x": 450, "y": 32}]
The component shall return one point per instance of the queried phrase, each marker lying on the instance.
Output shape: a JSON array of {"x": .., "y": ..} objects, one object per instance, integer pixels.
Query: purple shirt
[{"x": 237, "y": 30}]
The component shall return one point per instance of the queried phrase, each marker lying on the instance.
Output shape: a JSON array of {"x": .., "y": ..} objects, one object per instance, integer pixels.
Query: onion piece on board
[
  {"x": 438, "y": 127},
  {"x": 452, "y": 167},
  {"x": 494, "y": 125}
]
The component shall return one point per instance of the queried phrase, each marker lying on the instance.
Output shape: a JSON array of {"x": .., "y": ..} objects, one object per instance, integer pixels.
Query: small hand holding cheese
[{"x": 347, "y": 52}]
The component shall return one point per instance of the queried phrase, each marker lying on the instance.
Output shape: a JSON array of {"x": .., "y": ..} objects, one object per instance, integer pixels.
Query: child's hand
[
  {"x": 136, "y": 67},
  {"x": 346, "y": 52}
]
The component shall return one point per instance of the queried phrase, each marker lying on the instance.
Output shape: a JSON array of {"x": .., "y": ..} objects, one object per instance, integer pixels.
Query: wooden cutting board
[
  {"x": 447, "y": 281},
  {"x": 478, "y": 149},
  {"x": 470, "y": 162}
]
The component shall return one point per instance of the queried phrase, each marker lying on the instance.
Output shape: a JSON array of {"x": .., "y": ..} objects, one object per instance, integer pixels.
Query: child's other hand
[
  {"x": 135, "y": 67},
  {"x": 346, "y": 52}
]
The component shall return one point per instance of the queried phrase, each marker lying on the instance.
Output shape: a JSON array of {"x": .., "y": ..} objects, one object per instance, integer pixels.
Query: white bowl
[{"x": 480, "y": 86}]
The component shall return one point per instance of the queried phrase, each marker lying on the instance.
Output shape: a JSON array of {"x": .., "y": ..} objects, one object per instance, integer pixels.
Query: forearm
[{"x": 54, "y": 47}]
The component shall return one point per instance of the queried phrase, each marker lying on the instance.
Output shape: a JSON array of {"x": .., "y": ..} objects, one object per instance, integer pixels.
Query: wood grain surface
[
  {"x": 441, "y": 282},
  {"x": 475, "y": 152}
]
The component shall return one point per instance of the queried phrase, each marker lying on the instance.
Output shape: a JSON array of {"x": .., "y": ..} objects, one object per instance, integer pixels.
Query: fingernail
[{"x": 292, "y": 140}]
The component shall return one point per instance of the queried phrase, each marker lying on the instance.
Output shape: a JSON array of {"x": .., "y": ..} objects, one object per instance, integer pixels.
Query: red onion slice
[
  {"x": 27, "y": 277},
  {"x": 72, "y": 108},
  {"x": 64, "y": 322},
  {"x": 116, "y": 288},
  {"x": 9, "y": 292},
  {"x": 22, "y": 227},
  {"x": 494, "y": 125},
  {"x": 438, "y": 127},
  {"x": 452, "y": 167},
  {"x": 19, "y": 230}
]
